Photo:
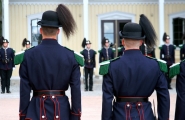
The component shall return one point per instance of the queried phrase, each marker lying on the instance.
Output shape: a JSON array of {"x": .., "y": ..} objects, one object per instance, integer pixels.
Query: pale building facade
[{"x": 95, "y": 19}]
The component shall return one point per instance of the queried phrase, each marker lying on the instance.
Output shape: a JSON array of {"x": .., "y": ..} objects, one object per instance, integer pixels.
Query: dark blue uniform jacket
[
  {"x": 10, "y": 57},
  {"x": 180, "y": 88},
  {"x": 134, "y": 75},
  {"x": 182, "y": 52},
  {"x": 92, "y": 62},
  {"x": 103, "y": 54},
  {"x": 49, "y": 66},
  {"x": 164, "y": 56}
]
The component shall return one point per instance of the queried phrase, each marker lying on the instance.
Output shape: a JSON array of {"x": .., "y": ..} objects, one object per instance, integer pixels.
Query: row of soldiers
[
  {"x": 128, "y": 81},
  {"x": 167, "y": 53},
  {"x": 8, "y": 62}
]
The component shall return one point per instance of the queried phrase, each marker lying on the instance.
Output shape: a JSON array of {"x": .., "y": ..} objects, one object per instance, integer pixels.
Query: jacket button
[
  {"x": 57, "y": 116},
  {"x": 43, "y": 116},
  {"x": 139, "y": 104},
  {"x": 43, "y": 96},
  {"x": 128, "y": 105},
  {"x": 53, "y": 97}
]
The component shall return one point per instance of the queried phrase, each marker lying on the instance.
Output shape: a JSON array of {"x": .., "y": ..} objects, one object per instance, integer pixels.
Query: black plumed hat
[
  {"x": 50, "y": 19},
  {"x": 5, "y": 41},
  {"x": 142, "y": 31},
  {"x": 105, "y": 40},
  {"x": 84, "y": 43},
  {"x": 132, "y": 31},
  {"x": 25, "y": 42},
  {"x": 88, "y": 42},
  {"x": 165, "y": 37}
]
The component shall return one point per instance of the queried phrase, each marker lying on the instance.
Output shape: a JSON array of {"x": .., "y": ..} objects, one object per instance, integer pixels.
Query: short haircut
[
  {"x": 49, "y": 31},
  {"x": 132, "y": 43}
]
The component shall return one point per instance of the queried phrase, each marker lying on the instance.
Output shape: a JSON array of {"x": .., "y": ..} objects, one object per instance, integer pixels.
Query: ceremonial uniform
[
  {"x": 26, "y": 43},
  {"x": 182, "y": 52},
  {"x": 180, "y": 85},
  {"x": 140, "y": 77},
  {"x": 147, "y": 51},
  {"x": 6, "y": 66},
  {"x": 106, "y": 54},
  {"x": 49, "y": 69},
  {"x": 167, "y": 54},
  {"x": 90, "y": 63},
  {"x": 129, "y": 80},
  {"x": 49, "y": 66}
]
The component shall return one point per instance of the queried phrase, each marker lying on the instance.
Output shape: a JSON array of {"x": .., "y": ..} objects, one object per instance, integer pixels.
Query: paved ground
[{"x": 91, "y": 102}]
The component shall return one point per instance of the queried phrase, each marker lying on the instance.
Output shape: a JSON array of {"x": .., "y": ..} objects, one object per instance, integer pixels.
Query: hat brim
[
  {"x": 134, "y": 38},
  {"x": 131, "y": 37},
  {"x": 48, "y": 25}
]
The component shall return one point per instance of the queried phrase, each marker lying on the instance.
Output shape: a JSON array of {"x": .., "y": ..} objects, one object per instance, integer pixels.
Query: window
[
  {"x": 35, "y": 32},
  {"x": 178, "y": 30},
  {"x": 108, "y": 30}
]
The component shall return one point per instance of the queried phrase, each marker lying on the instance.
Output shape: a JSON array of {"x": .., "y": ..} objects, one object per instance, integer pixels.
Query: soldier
[
  {"x": 26, "y": 43},
  {"x": 167, "y": 53},
  {"x": 179, "y": 70},
  {"x": 106, "y": 53},
  {"x": 6, "y": 66},
  {"x": 90, "y": 63},
  {"x": 182, "y": 49},
  {"x": 147, "y": 51},
  {"x": 49, "y": 69},
  {"x": 132, "y": 78}
]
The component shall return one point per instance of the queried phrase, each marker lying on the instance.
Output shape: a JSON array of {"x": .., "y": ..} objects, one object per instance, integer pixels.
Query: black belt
[
  {"x": 49, "y": 93},
  {"x": 132, "y": 99}
]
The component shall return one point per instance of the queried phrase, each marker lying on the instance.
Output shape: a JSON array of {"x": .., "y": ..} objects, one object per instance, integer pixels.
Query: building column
[
  {"x": 5, "y": 19},
  {"x": 161, "y": 21},
  {"x": 85, "y": 17}
]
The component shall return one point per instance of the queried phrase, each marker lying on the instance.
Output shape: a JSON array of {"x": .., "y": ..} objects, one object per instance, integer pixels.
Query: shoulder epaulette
[
  {"x": 95, "y": 52},
  {"x": 18, "y": 58},
  {"x": 113, "y": 49},
  {"x": 81, "y": 52},
  {"x": 14, "y": 51},
  {"x": 175, "y": 46},
  {"x": 78, "y": 57},
  {"x": 161, "y": 63},
  {"x": 180, "y": 46},
  {"x": 175, "y": 69},
  {"x": 119, "y": 49},
  {"x": 104, "y": 66},
  {"x": 160, "y": 47}
]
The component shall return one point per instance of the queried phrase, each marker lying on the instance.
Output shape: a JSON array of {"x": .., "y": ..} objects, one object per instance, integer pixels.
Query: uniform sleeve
[
  {"x": 107, "y": 97},
  {"x": 181, "y": 53},
  {"x": 94, "y": 59},
  {"x": 161, "y": 53},
  {"x": 75, "y": 93},
  {"x": 13, "y": 56},
  {"x": 180, "y": 88},
  {"x": 173, "y": 54},
  {"x": 100, "y": 56},
  {"x": 112, "y": 55},
  {"x": 24, "y": 90},
  {"x": 163, "y": 98}
]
